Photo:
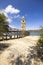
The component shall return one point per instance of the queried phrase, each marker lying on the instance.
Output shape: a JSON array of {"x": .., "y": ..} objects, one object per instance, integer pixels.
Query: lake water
[{"x": 34, "y": 33}]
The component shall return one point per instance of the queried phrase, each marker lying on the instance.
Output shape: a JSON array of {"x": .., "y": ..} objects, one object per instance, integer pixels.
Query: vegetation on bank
[{"x": 40, "y": 45}]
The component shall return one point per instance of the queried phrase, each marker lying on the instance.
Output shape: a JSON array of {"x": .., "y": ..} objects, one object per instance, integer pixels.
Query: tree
[{"x": 3, "y": 24}]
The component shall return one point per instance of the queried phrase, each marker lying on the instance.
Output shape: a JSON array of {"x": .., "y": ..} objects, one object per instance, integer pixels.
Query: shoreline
[{"x": 10, "y": 41}]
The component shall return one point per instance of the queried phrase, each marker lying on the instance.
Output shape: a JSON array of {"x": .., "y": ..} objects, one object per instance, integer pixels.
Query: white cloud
[
  {"x": 12, "y": 26},
  {"x": 9, "y": 20},
  {"x": 10, "y": 9},
  {"x": 17, "y": 16}
]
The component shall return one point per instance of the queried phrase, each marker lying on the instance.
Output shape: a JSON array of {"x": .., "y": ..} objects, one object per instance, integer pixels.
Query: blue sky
[{"x": 32, "y": 10}]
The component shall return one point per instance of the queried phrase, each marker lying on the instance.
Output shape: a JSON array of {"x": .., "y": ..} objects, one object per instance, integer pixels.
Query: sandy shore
[{"x": 19, "y": 47}]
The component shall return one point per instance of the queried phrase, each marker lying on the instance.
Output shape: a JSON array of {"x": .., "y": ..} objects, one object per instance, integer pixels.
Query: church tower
[{"x": 23, "y": 24}]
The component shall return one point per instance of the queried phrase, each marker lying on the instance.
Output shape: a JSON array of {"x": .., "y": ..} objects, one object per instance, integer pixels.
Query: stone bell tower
[{"x": 23, "y": 24}]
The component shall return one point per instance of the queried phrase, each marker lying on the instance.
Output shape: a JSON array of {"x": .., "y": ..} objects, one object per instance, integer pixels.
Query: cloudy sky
[{"x": 32, "y": 10}]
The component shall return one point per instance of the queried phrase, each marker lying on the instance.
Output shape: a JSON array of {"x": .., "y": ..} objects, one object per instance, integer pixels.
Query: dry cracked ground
[{"x": 20, "y": 52}]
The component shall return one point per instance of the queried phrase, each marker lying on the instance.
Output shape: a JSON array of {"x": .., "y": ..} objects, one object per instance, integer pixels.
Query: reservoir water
[{"x": 34, "y": 33}]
